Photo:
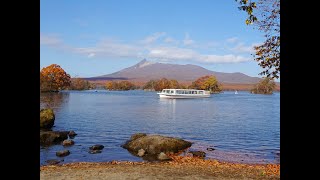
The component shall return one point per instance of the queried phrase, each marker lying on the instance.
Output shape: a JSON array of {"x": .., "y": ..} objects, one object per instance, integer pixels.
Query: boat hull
[{"x": 177, "y": 96}]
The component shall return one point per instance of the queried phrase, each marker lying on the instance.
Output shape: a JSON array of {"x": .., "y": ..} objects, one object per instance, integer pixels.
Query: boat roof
[{"x": 186, "y": 89}]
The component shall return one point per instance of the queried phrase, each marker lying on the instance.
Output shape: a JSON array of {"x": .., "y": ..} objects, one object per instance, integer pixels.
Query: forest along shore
[{"x": 181, "y": 167}]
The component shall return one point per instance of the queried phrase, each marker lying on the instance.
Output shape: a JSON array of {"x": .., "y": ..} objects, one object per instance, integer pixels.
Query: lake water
[{"x": 241, "y": 127}]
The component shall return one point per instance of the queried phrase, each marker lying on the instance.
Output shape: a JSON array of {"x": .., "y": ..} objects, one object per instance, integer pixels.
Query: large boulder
[
  {"x": 155, "y": 144},
  {"x": 46, "y": 118},
  {"x": 52, "y": 137}
]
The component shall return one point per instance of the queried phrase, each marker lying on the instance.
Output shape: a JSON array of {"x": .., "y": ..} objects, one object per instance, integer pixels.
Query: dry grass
[{"x": 182, "y": 167}]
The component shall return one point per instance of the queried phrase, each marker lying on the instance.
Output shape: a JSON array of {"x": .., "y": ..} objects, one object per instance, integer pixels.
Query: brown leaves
[{"x": 54, "y": 78}]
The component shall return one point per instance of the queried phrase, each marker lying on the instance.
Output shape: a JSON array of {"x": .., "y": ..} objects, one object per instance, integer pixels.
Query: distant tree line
[
  {"x": 120, "y": 85},
  {"x": 53, "y": 79}
]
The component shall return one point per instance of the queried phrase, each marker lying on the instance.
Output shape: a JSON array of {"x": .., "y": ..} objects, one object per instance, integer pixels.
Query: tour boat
[{"x": 183, "y": 93}]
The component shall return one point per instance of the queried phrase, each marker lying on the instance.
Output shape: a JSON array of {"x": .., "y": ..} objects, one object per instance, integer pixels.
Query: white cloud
[
  {"x": 187, "y": 41},
  {"x": 117, "y": 49},
  {"x": 152, "y": 38},
  {"x": 241, "y": 48},
  {"x": 170, "y": 40},
  {"x": 171, "y": 53},
  {"x": 176, "y": 54},
  {"x": 230, "y": 58},
  {"x": 91, "y": 55},
  {"x": 232, "y": 40},
  {"x": 110, "y": 48},
  {"x": 49, "y": 40}
]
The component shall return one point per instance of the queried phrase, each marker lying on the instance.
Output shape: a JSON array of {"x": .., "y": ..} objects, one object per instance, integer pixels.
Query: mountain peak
[{"x": 143, "y": 63}]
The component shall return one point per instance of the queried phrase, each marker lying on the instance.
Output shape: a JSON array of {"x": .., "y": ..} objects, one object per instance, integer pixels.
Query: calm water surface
[{"x": 241, "y": 127}]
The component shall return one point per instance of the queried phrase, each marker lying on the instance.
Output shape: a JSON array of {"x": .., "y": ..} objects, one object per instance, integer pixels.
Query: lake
[{"x": 242, "y": 127}]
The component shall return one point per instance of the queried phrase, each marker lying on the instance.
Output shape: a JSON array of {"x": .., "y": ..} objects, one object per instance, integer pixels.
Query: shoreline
[{"x": 181, "y": 167}]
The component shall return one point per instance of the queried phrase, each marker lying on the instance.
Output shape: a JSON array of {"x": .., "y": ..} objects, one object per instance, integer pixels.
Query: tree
[
  {"x": 54, "y": 78},
  {"x": 265, "y": 86},
  {"x": 80, "y": 84},
  {"x": 162, "y": 84},
  {"x": 150, "y": 84},
  {"x": 122, "y": 85},
  {"x": 267, "y": 18},
  {"x": 209, "y": 83}
]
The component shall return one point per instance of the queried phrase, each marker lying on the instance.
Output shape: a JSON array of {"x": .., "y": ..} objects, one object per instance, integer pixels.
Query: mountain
[{"x": 147, "y": 70}]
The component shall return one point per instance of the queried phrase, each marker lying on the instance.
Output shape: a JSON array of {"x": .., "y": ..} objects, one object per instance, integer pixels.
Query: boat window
[
  {"x": 200, "y": 92},
  {"x": 163, "y": 91},
  {"x": 171, "y": 91},
  {"x": 167, "y": 91}
]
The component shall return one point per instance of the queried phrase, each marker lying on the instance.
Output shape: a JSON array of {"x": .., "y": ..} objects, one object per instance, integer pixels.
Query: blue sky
[{"x": 97, "y": 37}]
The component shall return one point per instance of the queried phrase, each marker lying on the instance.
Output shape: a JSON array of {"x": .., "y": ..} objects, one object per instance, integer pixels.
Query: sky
[{"x": 98, "y": 37}]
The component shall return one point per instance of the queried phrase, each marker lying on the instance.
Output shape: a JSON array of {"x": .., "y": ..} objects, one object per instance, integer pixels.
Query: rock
[
  {"x": 137, "y": 135},
  {"x": 163, "y": 157},
  {"x": 155, "y": 144},
  {"x": 94, "y": 151},
  {"x": 72, "y": 134},
  {"x": 141, "y": 152},
  {"x": 96, "y": 147},
  {"x": 46, "y": 118},
  {"x": 53, "y": 161},
  {"x": 52, "y": 137},
  {"x": 200, "y": 154},
  {"x": 68, "y": 142},
  {"x": 210, "y": 149},
  {"x": 63, "y": 153}
]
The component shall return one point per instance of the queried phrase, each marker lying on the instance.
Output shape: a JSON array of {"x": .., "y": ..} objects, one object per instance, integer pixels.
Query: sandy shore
[{"x": 179, "y": 168}]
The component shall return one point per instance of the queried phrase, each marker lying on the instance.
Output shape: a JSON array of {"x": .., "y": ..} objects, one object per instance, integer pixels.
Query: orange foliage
[
  {"x": 54, "y": 78},
  {"x": 122, "y": 85}
]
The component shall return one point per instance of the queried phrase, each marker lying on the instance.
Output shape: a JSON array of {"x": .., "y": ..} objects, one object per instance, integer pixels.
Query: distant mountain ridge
[{"x": 147, "y": 70}]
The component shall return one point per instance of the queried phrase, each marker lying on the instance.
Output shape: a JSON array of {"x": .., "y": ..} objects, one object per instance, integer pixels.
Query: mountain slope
[{"x": 146, "y": 70}]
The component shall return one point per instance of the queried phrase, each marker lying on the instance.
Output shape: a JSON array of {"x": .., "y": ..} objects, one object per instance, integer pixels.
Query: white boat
[
  {"x": 236, "y": 92},
  {"x": 183, "y": 93}
]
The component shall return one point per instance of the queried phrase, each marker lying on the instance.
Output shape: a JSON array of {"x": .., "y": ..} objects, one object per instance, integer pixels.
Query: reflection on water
[
  {"x": 245, "y": 124},
  {"x": 53, "y": 100}
]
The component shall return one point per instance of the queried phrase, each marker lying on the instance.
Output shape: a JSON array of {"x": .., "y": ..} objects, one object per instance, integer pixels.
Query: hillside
[{"x": 146, "y": 70}]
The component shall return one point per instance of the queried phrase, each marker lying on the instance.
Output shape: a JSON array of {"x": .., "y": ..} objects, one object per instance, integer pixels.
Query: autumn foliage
[
  {"x": 265, "y": 86},
  {"x": 163, "y": 83},
  {"x": 121, "y": 85},
  {"x": 209, "y": 83},
  {"x": 80, "y": 84},
  {"x": 54, "y": 78}
]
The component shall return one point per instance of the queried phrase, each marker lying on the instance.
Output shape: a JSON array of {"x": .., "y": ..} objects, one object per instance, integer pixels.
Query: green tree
[
  {"x": 265, "y": 86},
  {"x": 266, "y": 17}
]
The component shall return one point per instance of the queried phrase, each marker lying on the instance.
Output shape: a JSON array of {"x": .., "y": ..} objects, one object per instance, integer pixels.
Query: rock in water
[
  {"x": 200, "y": 154},
  {"x": 68, "y": 142},
  {"x": 72, "y": 134},
  {"x": 52, "y": 137},
  {"x": 46, "y": 118},
  {"x": 63, "y": 153},
  {"x": 137, "y": 135},
  {"x": 53, "y": 161},
  {"x": 96, "y": 147},
  {"x": 94, "y": 151},
  {"x": 155, "y": 144}
]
